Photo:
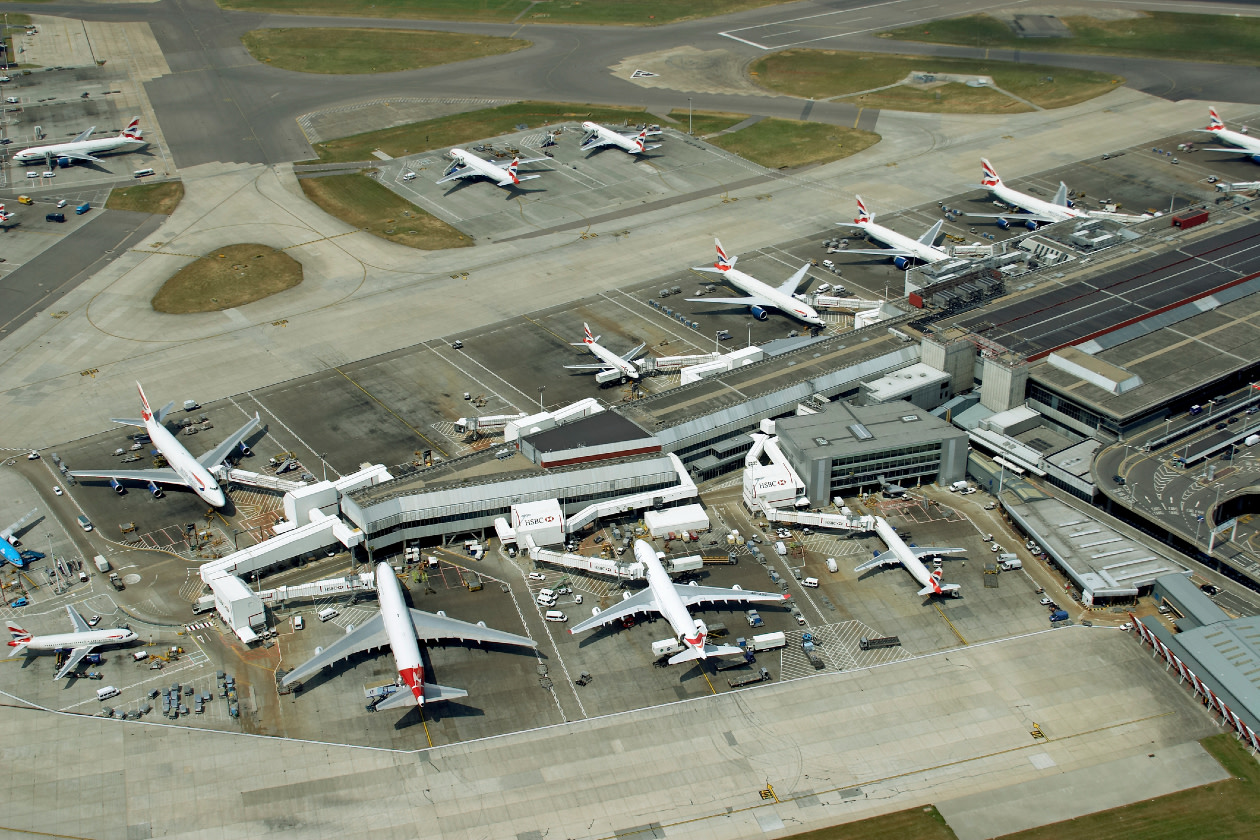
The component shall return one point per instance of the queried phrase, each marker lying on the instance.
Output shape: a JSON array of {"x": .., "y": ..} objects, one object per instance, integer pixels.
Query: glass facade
[{"x": 859, "y": 470}]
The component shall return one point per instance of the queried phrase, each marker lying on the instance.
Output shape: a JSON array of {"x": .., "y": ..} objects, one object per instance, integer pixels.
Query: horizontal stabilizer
[
  {"x": 646, "y": 148},
  {"x": 400, "y": 698},
  {"x": 509, "y": 182},
  {"x": 127, "y": 421},
  {"x": 709, "y": 650},
  {"x": 945, "y": 588},
  {"x": 16, "y": 650}
]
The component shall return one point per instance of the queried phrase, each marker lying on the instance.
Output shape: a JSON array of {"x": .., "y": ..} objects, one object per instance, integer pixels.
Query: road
[{"x": 218, "y": 104}]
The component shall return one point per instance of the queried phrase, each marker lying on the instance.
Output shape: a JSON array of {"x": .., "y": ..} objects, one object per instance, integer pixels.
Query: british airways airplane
[
  {"x": 80, "y": 643},
  {"x": 623, "y": 364},
  {"x": 761, "y": 297},
  {"x": 901, "y": 248},
  {"x": 597, "y": 137},
  {"x": 671, "y": 601},
  {"x": 1035, "y": 210},
  {"x": 82, "y": 148},
  {"x": 467, "y": 165},
  {"x": 185, "y": 470},
  {"x": 1245, "y": 144}
]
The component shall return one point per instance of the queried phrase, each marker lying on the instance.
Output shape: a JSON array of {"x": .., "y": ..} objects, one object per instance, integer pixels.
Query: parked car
[{"x": 57, "y": 490}]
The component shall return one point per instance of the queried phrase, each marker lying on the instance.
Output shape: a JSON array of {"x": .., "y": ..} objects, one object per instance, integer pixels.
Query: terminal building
[{"x": 846, "y": 448}]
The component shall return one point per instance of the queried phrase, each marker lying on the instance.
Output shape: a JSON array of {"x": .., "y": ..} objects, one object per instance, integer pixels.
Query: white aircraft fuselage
[
  {"x": 403, "y": 643},
  {"x": 911, "y": 561},
  {"x": 100, "y": 146},
  {"x": 899, "y": 241},
  {"x": 1032, "y": 204},
  {"x": 180, "y": 459},
  {"x": 611, "y": 359},
  {"x": 786, "y": 304},
  {"x": 1244, "y": 142},
  {"x": 630, "y": 145},
  {"x": 64, "y": 641},
  {"x": 690, "y": 631}
]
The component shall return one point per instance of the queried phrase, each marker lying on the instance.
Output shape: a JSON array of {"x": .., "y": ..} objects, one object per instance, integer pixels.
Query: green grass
[
  {"x": 1218, "y": 811},
  {"x": 819, "y": 74},
  {"x": 231, "y": 276},
  {"x": 781, "y": 144},
  {"x": 457, "y": 129},
  {"x": 161, "y": 197},
  {"x": 1222, "y": 39},
  {"x": 912, "y": 824},
  {"x": 344, "y": 51},
  {"x": 613, "y": 12},
  {"x": 368, "y": 205}
]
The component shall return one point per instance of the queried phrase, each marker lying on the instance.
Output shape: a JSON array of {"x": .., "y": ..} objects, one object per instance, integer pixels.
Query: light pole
[
  {"x": 750, "y": 333},
  {"x": 541, "y": 388},
  {"x": 716, "y": 347},
  {"x": 689, "y": 115}
]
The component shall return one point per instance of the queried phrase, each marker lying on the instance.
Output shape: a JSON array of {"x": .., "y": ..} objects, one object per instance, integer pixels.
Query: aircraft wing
[
  {"x": 789, "y": 286},
  {"x": 588, "y": 367},
  {"x": 524, "y": 161},
  {"x": 80, "y": 626},
  {"x": 215, "y": 456},
  {"x": 460, "y": 172},
  {"x": 83, "y": 135},
  {"x": 1237, "y": 150},
  {"x": 403, "y": 697},
  {"x": 641, "y": 602},
  {"x": 157, "y": 476},
  {"x": 595, "y": 141},
  {"x": 884, "y": 558},
  {"x": 371, "y": 634},
  {"x": 932, "y": 550},
  {"x": 1014, "y": 217},
  {"x": 882, "y": 252},
  {"x": 16, "y": 526},
  {"x": 625, "y": 357},
  {"x": 740, "y": 301},
  {"x": 78, "y": 156},
  {"x": 693, "y": 595},
  {"x": 75, "y": 657},
  {"x": 430, "y": 626}
]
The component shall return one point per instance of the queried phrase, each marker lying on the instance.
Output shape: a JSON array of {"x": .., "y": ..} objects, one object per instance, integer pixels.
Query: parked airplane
[
  {"x": 9, "y": 544},
  {"x": 597, "y": 137},
  {"x": 467, "y": 165},
  {"x": 761, "y": 297},
  {"x": 901, "y": 248},
  {"x": 1245, "y": 144},
  {"x": 82, "y": 148},
  {"x": 4, "y": 214},
  {"x": 193, "y": 473},
  {"x": 80, "y": 643},
  {"x": 608, "y": 359},
  {"x": 671, "y": 600},
  {"x": 899, "y": 553},
  {"x": 397, "y": 626},
  {"x": 1036, "y": 210}
]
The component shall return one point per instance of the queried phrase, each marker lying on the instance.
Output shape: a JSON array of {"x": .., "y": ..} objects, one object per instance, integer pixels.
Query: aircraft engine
[
  {"x": 154, "y": 490},
  {"x": 1255, "y": 158},
  {"x": 1030, "y": 224},
  {"x": 245, "y": 450},
  {"x": 901, "y": 262},
  {"x": 1004, "y": 224},
  {"x": 759, "y": 313},
  {"x": 118, "y": 488}
]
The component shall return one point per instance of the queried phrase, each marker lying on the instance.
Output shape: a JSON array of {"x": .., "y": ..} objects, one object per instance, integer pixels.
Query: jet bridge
[
  {"x": 594, "y": 565},
  {"x": 685, "y": 489}
]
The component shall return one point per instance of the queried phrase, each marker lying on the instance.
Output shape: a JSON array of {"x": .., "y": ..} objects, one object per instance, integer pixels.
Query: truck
[
  {"x": 767, "y": 641},
  {"x": 1251, "y": 440},
  {"x": 958, "y": 485},
  {"x": 666, "y": 647},
  {"x": 1058, "y": 615},
  {"x": 761, "y": 676},
  {"x": 102, "y": 565},
  {"x": 116, "y": 582},
  {"x": 876, "y": 642},
  {"x": 754, "y": 618},
  {"x": 203, "y": 604},
  {"x": 1009, "y": 562},
  {"x": 377, "y": 691}
]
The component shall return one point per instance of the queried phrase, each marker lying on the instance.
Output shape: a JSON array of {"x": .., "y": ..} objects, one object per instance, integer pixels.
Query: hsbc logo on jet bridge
[
  {"x": 536, "y": 521},
  {"x": 770, "y": 485}
]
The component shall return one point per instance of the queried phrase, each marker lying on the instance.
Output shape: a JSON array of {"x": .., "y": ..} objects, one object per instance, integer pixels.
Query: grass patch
[
  {"x": 608, "y": 12},
  {"x": 341, "y": 51},
  {"x": 161, "y": 197},
  {"x": 918, "y": 823},
  {"x": 780, "y": 144},
  {"x": 231, "y": 276},
  {"x": 820, "y": 74},
  {"x": 1218, "y": 811},
  {"x": 370, "y": 206},
  {"x": 1218, "y": 38},
  {"x": 453, "y": 130}
]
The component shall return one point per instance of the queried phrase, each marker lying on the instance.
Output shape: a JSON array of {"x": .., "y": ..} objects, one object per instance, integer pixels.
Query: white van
[
  {"x": 780, "y": 549},
  {"x": 555, "y": 615},
  {"x": 546, "y": 600},
  {"x": 107, "y": 692},
  {"x": 811, "y": 582},
  {"x": 831, "y": 565},
  {"x": 140, "y": 655},
  {"x": 140, "y": 173},
  {"x": 327, "y": 613},
  {"x": 409, "y": 175},
  {"x": 298, "y": 622}
]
